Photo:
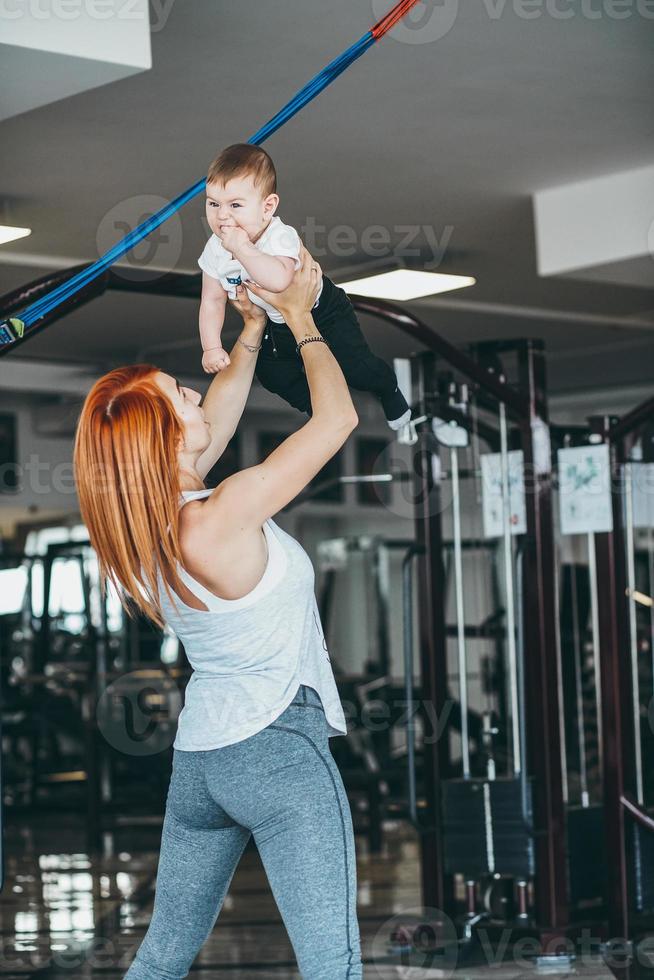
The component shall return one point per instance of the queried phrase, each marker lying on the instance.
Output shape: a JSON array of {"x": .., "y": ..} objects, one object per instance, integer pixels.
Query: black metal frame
[
  {"x": 617, "y": 706},
  {"x": 526, "y": 403}
]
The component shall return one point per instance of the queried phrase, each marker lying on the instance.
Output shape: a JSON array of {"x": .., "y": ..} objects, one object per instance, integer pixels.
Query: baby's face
[{"x": 239, "y": 202}]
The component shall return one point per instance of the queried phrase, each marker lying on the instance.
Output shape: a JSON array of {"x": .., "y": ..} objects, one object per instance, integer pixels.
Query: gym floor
[{"x": 66, "y": 914}]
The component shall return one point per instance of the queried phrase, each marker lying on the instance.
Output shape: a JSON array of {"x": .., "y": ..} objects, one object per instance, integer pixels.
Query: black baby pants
[{"x": 280, "y": 369}]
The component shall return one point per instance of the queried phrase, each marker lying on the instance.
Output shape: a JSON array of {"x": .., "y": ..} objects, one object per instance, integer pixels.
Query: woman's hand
[
  {"x": 245, "y": 306},
  {"x": 298, "y": 298}
]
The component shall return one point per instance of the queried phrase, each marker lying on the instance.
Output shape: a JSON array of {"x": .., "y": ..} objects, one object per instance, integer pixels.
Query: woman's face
[{"x": 186, "y": 402}]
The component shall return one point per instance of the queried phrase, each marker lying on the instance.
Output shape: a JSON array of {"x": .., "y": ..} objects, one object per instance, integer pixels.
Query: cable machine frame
[
  {"x": 526, "y": 405},
  {"x": 619, "y": 720}
]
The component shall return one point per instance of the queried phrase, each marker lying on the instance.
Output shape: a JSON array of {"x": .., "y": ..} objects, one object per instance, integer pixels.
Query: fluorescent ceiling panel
[{"x": 404, "y": 284}]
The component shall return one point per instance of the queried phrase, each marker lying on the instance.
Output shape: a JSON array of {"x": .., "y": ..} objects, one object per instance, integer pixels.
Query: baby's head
[{"x": 241, "y": 190}]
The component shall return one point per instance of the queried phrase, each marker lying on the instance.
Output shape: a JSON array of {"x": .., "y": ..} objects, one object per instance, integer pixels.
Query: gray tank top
[{"x": 249, "y": 655}]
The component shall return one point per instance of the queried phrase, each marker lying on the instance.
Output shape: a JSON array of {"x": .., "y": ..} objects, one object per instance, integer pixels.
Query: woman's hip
[{"x": 263, "y": 773}]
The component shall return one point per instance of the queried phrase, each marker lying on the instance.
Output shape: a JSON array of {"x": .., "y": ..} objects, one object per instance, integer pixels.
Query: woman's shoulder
[
  {"x": 223, "y": 554},
  {"x": 209, "y": 532},
  {"x": 198, "y": 522}
]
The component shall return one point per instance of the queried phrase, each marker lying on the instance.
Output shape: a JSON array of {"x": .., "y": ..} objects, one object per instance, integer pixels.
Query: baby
[{"x": 250, "y": 242}]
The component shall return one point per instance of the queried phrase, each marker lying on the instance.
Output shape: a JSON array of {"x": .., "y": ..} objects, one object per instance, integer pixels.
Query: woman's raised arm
[{"x": 227, "y": 395}]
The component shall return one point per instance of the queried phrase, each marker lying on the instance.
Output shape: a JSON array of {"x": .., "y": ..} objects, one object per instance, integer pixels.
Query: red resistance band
[{"x": 392, "y": 17}]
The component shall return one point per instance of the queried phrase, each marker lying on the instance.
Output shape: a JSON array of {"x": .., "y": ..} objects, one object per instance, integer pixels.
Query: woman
[{"x": 251, "y": 754}]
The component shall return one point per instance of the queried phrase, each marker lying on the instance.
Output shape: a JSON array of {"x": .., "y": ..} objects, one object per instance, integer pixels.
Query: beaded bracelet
[{"x": 309, "y": 340}]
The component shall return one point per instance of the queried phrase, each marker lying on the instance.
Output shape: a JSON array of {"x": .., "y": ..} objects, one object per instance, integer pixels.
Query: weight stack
[
  {"x": 585, "y": 842},
  {"x": 485, "y": 829},
  {"x": 643, "y": 868}
]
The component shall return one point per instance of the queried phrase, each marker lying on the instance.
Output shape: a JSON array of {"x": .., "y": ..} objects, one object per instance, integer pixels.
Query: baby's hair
[{"x": 243, "y": 160}]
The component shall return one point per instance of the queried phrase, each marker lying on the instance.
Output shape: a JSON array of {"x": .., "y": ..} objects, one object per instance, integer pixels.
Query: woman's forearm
[
  {"x": 330, "y": 395},
  {"x": 253, "y": 330},
  {"x": 228, "y": 392}
]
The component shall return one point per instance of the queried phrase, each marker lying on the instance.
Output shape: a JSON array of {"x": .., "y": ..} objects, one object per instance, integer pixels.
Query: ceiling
[{"x": 436, "y": 148}]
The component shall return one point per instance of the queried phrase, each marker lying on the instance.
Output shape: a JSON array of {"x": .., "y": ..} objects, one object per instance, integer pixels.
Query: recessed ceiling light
[
  {"x": 9, "y": 233},
  {"x": 405, "y": 284}
]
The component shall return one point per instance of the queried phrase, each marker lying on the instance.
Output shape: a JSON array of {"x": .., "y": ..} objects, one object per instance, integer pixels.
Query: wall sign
[
  {"x": 585, "y": 490},
  {"x": 492, "y": 497}
]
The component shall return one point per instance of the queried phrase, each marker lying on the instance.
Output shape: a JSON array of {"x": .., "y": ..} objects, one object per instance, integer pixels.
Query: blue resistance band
[{"x": 15, "y": 327}]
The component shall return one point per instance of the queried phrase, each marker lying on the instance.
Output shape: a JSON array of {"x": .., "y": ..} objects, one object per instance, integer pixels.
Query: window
[{"x": 13, "y": 586}]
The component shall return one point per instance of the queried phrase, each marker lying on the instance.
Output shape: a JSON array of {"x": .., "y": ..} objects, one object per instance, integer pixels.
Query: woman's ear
[{"x": 270, "y": 205}]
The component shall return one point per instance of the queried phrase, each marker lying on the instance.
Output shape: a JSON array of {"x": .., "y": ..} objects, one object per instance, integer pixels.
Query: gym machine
[
  {"x": 379, "y": 751},
  {"x": 83, "y": 685},
  {"x": 606, "y": 496},
  {"x": 625, "y": 583},
  {"x": 492, "y": 824}
]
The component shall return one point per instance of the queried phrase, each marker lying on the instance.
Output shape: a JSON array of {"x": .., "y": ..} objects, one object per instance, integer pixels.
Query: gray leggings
[{"x": 283, "y": 787}]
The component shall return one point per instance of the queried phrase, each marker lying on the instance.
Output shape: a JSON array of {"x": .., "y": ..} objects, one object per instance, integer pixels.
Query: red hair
[{"x": 128, "y": 484}]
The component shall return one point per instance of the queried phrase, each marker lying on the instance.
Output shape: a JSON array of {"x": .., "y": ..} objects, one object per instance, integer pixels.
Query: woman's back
[{"x": 250, "y": 654}]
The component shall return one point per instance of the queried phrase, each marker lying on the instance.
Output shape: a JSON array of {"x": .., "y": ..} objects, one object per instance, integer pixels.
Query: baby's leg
[
  {"x": 279, "y": 369},
  {"x": 363, "y": 370}
]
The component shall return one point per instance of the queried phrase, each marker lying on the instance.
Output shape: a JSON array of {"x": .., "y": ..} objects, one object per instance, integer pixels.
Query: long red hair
[{"x": 127, "y": 479}]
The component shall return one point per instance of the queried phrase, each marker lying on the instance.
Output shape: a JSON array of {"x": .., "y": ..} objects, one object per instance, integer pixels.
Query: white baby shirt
[{"x": 277, "y": 239}]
